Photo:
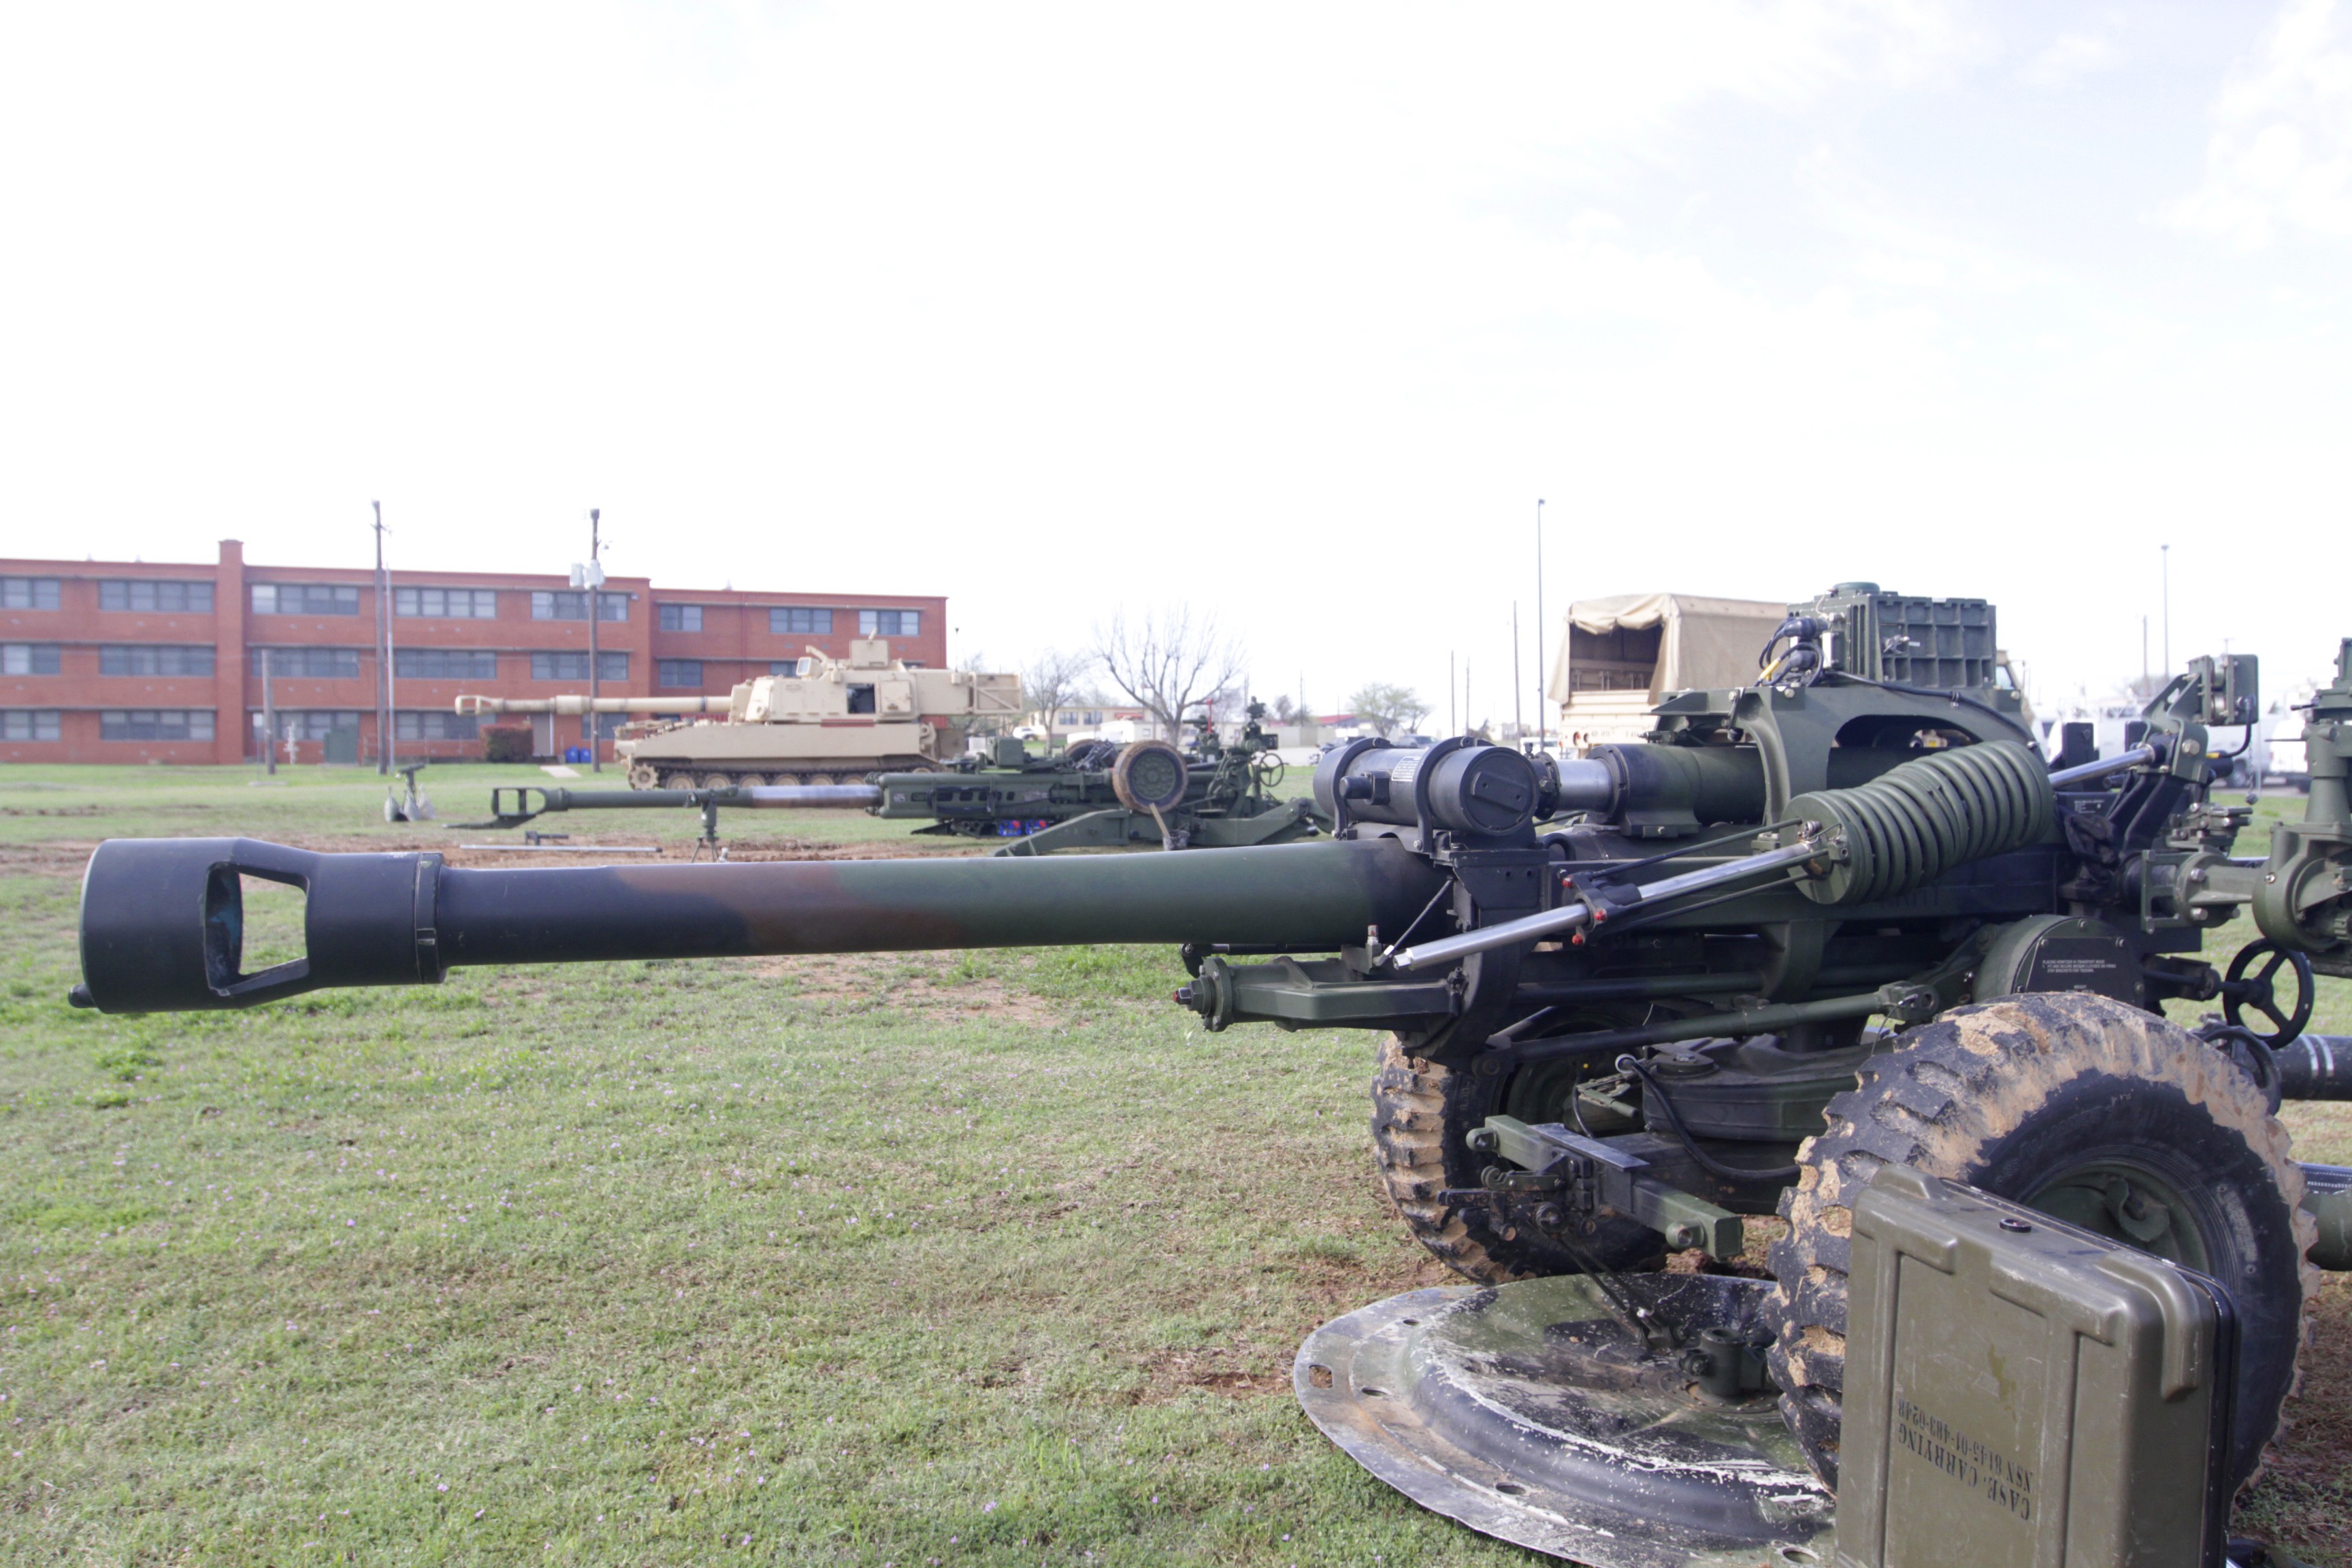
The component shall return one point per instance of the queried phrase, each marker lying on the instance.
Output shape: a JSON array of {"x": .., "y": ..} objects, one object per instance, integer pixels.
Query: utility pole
[
  {"x": 2166, "y": 556},
  {"x": 1452, "y": 692},
  {"x": 1519, "y": 730},
  {"x": 268, "y": 720},
  {"x": 594, "y": 576},
  {"x": 1469, "y": 714},
  {"x": 383, "y": 652},
  {"x": 1543, "y": 720}
]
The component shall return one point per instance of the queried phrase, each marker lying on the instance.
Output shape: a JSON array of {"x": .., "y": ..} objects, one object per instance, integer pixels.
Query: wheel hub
[{"x": 2127, "y": 1202}]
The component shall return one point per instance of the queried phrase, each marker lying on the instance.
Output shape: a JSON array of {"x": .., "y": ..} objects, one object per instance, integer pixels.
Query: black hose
[{"x": 1707, "y": 1162}]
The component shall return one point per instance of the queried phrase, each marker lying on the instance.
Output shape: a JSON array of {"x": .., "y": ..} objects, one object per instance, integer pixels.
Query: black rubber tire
[
  {"x": 1150, "y": 774},
  {"x": 1422, "y": 1114},
  {"x": 2011, "y": 1095}
]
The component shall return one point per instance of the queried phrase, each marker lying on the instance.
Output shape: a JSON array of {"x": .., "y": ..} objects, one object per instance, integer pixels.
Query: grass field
[{"x": 955, "y": 1259}]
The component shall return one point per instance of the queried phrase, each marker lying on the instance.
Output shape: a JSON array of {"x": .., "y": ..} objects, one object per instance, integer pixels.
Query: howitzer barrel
[
  {"x": 162, "y": 920},
  {"x": 779, "y": 797},
  {"x": 759, "y": 797},
  {"x": 474, "y": 707}
]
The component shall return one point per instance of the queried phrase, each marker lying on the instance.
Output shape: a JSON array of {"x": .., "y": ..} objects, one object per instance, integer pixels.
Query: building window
[
  {"x": 155, "y": 658},
  {"x": 572, "y": 604},
  {"x": 312, "y": 723},
  {"x": 679, "y": 674},
  {"x": 444, "y": 664},
  {"x": 800, "y": 620},
  {"x": 889, "y": 623},
  {"x": 28, "y": 658},
  {"x": 29, "y": 592},
  {"x": 309, "y": 663},
  {"x": 575, "y": 666},
  {"x": 433, "y": 724},
  {"x": 446, "y": 603},
  {"x": 146, "y": 593},
  {"x": 155, "y": 724},
  {"x": 681, "y": 617},
  {"x": 294, "y": 599},
  {"x": 28, "y": 723}
]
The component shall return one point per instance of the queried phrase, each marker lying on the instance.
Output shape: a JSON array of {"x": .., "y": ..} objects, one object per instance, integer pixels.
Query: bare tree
[
  {"x": 1167, "y": 662},
  {"x": 1055, "y": 680},
  {"x": 1389, "y": 709}
]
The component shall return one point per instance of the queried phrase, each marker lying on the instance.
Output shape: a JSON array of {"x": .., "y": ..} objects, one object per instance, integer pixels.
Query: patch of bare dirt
[
  {"x": 2319, "y": 1446},
  {"x": 58, "y": 857},
  {"x": 920, "y": 981},
  {"x": 1237, "y": 1371},
  {"x": 1258, "y": 1362}
]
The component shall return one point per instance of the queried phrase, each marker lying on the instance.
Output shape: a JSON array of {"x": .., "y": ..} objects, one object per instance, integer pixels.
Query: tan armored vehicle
[{"x": 832, "y": 721}]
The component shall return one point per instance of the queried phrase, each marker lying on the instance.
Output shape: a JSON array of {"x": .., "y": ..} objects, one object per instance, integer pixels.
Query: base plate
[{"x": 1529, "y": 1412}]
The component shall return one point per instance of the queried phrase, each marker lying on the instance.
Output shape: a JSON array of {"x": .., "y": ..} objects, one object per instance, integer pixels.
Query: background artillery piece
[{"x": 1094, "y": 795}]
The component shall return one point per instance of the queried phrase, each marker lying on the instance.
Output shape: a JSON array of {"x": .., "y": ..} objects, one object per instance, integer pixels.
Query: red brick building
[{"x": 111, "y": 661}]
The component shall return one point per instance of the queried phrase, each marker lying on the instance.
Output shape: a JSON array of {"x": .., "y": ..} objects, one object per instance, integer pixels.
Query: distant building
[
  {"x": 1087, "y": 722},
  {"x": 135, "y": 661}
]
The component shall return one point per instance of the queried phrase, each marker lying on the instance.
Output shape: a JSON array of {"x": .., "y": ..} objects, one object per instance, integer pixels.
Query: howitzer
[
  {"x": 1096, "y": 796},
  {"x": 1627, "y": 999},
  {"x": 1100, "y": 796},
  {"x": 512, "y": 805}
]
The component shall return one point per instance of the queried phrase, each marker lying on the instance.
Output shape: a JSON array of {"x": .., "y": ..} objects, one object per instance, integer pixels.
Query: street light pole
[
  {"x": 269, "y": 720},
  {"x": 1519, "y": 728},
  {"x": 2165, "y": 555},
  {"x": 596, "y": 613},
  {"x": 1543, "y": 720},
  {"x": 383, "y": 652}
]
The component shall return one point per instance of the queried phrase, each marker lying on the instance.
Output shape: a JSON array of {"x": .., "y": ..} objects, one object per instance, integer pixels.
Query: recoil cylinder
[
  {"x": 1874, "y": 840},
  {"x": 1914, "y": 823}
]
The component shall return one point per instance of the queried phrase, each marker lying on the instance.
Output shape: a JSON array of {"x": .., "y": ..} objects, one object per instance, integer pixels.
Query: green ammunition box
[{"x": 2024, "y": 1395}]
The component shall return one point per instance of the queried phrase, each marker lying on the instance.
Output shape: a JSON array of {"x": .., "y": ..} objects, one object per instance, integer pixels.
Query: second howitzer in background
[
  {"x": 1101, "y": 795},
  {"x": 1096, "y": 796},
  {"x": 1625, "y": 999}
]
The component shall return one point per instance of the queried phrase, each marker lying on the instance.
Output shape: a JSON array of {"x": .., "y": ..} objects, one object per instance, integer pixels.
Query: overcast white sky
[{"x": 1288, "y": 311}]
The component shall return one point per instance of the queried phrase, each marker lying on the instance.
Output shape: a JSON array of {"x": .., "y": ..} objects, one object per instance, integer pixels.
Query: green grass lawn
[{"x": 966, "y": 1258}]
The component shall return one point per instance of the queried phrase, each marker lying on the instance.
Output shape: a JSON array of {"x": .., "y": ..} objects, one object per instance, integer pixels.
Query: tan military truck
[{"x": 831, "y": 721}]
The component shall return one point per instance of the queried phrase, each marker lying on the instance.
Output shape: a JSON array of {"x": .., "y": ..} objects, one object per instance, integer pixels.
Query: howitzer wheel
[
  {"x": 2098, "y": 1113},
  {"x": 1150, "y": 775},
  {"x": 643, "y": 776},
  {"x": 1422, "y": 1114}
]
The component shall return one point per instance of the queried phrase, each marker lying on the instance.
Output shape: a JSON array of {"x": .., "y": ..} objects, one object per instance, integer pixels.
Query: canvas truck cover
[{"x": 1707, "y": 642}]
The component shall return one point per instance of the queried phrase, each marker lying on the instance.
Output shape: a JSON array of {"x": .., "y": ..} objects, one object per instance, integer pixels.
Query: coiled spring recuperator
[
  {"x": 1914, "y": 823},
  {"x": 1875, "y": 840}
]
